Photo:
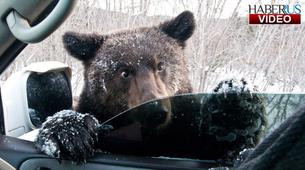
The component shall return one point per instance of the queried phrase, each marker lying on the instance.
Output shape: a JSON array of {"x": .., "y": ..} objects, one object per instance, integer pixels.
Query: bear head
[{"x": 126, "y": 68}]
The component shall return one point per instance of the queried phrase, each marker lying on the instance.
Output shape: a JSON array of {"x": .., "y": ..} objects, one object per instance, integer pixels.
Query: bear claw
[{"x": 68, "y": 135}]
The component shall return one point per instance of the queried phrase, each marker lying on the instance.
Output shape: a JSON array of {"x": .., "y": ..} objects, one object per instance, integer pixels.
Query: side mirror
[{"x": 34, "y": 93}]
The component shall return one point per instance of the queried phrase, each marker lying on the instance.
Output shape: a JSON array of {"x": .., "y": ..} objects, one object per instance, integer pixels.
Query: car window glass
[{"x": 193, "y": 117}]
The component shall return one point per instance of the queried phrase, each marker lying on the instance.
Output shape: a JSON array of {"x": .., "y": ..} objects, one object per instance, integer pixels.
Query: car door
[{"x": 20, "y": 154}]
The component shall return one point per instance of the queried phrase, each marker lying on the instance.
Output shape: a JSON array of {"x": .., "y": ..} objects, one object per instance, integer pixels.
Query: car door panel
[{"x": 22, "y": 155}]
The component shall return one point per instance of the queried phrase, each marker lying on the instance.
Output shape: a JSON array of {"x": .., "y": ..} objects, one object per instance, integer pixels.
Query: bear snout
[
  {"x": 143, "y": 88},
  {"x": 154, "y": 114},
  {"x": 158, "y": 115},
  {"x": 146, "y": 87}
]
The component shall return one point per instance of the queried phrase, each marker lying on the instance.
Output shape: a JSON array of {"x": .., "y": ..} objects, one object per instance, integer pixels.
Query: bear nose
[
  {"x": 157, "y": 114},
  {"x": 154, "y": 114}
]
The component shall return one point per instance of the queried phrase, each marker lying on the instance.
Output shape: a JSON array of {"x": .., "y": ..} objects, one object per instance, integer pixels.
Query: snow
[
  {"x": 104, "y": 85},
  {"x": 228, "y": 85},
  {"x": 50, "y": 148},
  {"x": 62, "y": 119},
  {"x": 242, "y": 156},
  {"x": 64, "y": 113}
]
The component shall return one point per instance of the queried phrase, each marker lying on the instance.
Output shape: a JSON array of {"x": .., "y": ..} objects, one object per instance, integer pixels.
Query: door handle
[{"x": 22, "y": 30}]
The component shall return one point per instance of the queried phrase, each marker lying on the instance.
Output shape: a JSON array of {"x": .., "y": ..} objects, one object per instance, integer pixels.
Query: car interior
[{"x": 26, "y": 100}]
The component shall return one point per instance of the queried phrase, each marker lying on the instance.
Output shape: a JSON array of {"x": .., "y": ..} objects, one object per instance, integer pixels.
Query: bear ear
[
  {"x": 180, "y": 28},
  {"x": 82, "y": 46}
]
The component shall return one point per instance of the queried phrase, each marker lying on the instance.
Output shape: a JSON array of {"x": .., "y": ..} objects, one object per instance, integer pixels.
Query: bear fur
[
  {"x": 122, "y": 70},
  {"x": 135, "y": 52}
]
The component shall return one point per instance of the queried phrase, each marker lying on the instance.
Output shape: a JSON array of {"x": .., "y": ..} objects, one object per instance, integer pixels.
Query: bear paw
[{"x": 68, "y": 135}]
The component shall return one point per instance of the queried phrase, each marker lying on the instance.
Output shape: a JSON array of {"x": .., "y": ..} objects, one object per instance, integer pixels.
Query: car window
[
  {"x": 224, "y": 46},
  {"x": 191, "y": 114}
]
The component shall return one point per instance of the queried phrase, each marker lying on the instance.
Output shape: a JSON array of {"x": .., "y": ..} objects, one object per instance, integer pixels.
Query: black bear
[{"x": 122, "y": 70}]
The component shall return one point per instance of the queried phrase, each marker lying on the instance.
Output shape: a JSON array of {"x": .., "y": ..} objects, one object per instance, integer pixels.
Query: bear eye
[
  {"x": 125, "y": 74},
  {"x": 161, "y": 66}
]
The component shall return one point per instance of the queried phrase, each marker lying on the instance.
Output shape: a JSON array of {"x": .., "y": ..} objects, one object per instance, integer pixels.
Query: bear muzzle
[
  {"x": 146, "y": 88},
  {"x": 154, "y": 114}
]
